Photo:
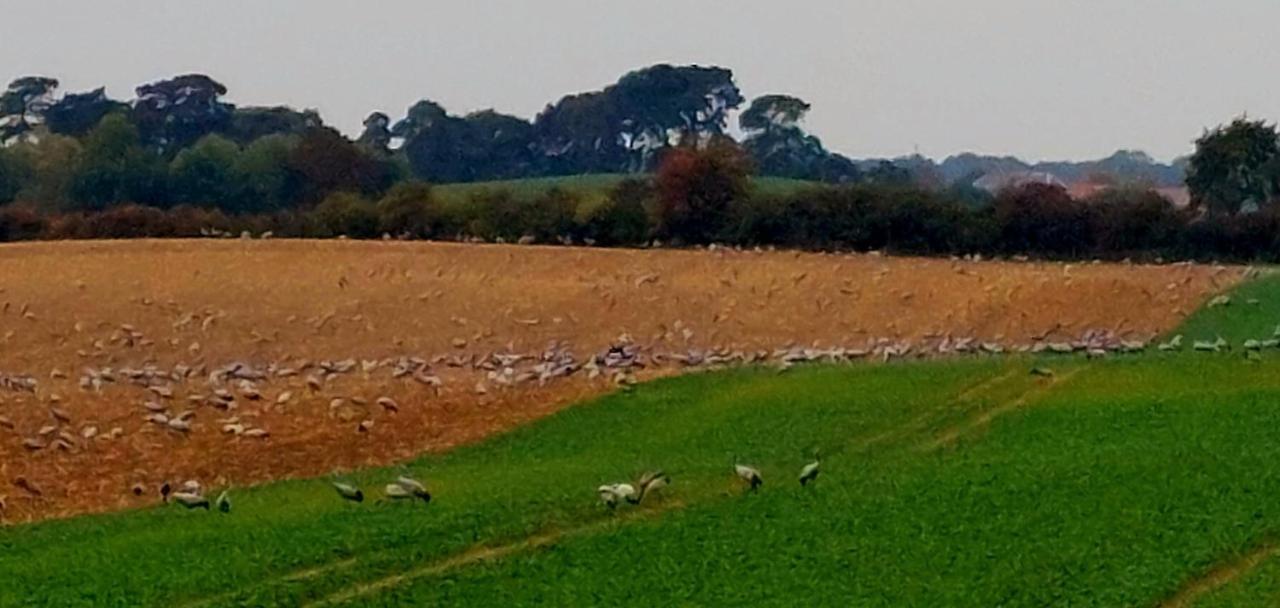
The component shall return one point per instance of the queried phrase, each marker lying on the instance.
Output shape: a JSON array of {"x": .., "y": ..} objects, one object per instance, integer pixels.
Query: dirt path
[
  {"x": 1219, "y": 575},
  {"x": 68, "y": 308},
  {"x": 983, "y": 419}
]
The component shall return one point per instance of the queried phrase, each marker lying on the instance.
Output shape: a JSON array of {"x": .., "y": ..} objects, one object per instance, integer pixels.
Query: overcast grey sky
[{"x": 1038, "y": 79}]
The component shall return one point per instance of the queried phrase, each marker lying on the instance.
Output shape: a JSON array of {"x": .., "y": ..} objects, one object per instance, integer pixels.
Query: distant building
[{"x": 996, "y": 181}]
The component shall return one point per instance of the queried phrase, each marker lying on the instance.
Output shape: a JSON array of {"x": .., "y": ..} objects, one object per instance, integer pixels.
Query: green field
[
  {"x": 590, "y": 189},
  {"x": 1128, "y": 481}
]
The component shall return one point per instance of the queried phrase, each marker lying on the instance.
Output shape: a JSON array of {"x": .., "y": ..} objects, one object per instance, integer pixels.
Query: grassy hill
[{"x": 1127, "y": 481}]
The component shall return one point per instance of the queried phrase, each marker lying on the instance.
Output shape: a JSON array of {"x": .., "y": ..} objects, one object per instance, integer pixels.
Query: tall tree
[
  {"x": 780, "y": 146},
  {"x": 325, "y": 162},
  {"x": 377, "y": 132},
  {"x": 77, "y": 113},
  {"x": 206, "y": 173},
  {"x": 114, "y": 168},
  {"x": 172, "y": 114},
  {"x": 1236, "y": 166},
  {"x": 626, "y": 125},
  {"x": 268, "y": 183},
  {"x": 23, "y": 104},
  {"x": 51, "y": 163},
  {"x": 253, "y": 123},
  {"x": 481, "y": 146}
]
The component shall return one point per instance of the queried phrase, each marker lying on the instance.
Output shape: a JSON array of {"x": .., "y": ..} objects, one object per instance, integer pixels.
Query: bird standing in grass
[
  {"x": 191, "y": 500},
  {"x": 809, "y": 473},
  {"x": 611, "y": 494},
  {"x": 406, "y": 487},
  {"x": 749, "y": 474},
  {"x": 348, "y": 491},
  {"x": 651, "y": 482}
]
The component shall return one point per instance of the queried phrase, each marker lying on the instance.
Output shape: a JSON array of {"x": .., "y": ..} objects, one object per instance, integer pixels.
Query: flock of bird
[{"x": 190, "y": 494}]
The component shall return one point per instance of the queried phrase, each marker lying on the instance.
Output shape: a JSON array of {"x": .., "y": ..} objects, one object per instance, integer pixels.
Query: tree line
[
  {"x": 179, "y": 160},
  {"x": 180, "y": 142}
]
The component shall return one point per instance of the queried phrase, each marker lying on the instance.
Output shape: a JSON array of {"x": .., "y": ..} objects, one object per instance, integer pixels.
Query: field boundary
[{"x": 1220, "y": 574}]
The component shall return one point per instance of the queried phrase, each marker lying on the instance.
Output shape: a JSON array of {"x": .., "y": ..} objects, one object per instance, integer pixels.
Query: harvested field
[{"x": 104, "y": 328}]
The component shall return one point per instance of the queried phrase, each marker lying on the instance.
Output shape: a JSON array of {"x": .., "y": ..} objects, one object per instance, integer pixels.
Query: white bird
[
  {"x": 396, "y": 491},
  {"x": 413, "y": 487},
  {"x": 348, "y": 492},
  {"x": 612, "y": 493},
  {"x": 190, "y": 500},
  {"x": 809, "y": 473},
  {"x": 651, "y": 482},
  {"x": 748, "y": 474}
]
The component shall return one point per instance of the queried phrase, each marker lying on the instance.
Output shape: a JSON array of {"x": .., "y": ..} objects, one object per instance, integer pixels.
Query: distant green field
[
  {"x": 1251, "y": 311},
  {"x": 592, "y": 189},
  {"x": 1126, "y": 481}
]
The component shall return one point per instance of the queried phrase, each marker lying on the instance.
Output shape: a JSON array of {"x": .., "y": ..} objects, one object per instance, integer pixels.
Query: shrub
[
  {"x": 697, "y": 189},
  {"x": 548, "y": 216},
  {"x": 20, "y": 222},
  {"x": 1042, "y": 219},
  {"x": 347, "y": 214},
  {"x": 623, "y": 217},
  {"x": 129, "y": 222},
  {"x": 1131, "y": 221},
  {"x": 410, "y": 209},
  {"x": 491, "y": 214}
]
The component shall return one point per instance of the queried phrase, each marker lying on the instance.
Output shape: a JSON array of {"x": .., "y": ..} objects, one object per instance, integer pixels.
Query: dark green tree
[
  {"x": 206, "y": 174},
  {"x": 267, "y": 182},
  {"x": 410, "y": 208},
  {"x": 77, "y": 113},
  {"x": 114, "y": 168},
  {"x": 172, "y": 114},
  {"x": 1235, "y": 167},
  {"x": 325, "y": 162},
  {"x": 780, "y": 147},
  {"x": 251, "y": 124},
  {"x": 377, "y": 133},
  {"x": 23, "y": 105}
]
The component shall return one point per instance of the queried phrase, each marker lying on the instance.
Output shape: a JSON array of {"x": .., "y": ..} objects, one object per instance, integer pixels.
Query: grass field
[
  {"x": 591, "y": 190},
  {"x": 591, "y": 186},
  {"x": 1147, "y": 480}
]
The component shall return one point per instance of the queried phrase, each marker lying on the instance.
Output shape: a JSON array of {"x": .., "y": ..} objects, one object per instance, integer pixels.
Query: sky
[{"x": 1038, "y": 79}]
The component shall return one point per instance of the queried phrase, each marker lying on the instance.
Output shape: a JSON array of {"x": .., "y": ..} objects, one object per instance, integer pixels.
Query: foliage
[
  {"x": 113, "y": 168},
  {"x": 1235, "y": 167},
  {"x": 20, "y": 222},
  {"x": 47, "y": 169},
  {"x": 410, "y": 209},
  {"x": 348, "y": 214},
  {"x": 697, "y": 189},
  {"x": 22, "y": 106},
  {"x": 206, "y": 173},
  {"x": 267, "y": 183},
  {"x": 174, "y": 113},
  {"x": 325, "y": 162},
  {"x": 623, "y": 217},
  {"x": 1043, "y": 218},
  {"x": 780, "y": 147}
]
